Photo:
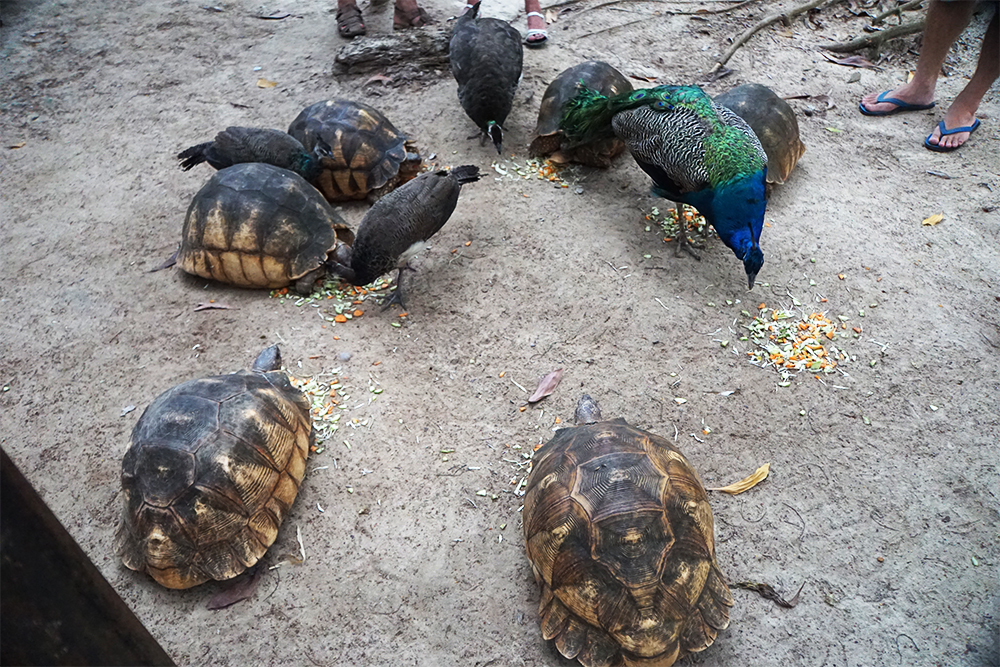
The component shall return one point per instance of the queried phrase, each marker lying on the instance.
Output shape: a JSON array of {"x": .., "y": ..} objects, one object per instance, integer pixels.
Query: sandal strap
[{"x": 538, "y": 14}]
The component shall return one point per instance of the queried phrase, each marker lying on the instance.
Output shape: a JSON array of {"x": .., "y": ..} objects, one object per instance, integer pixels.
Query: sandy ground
[{"x": 882, "y": 505}]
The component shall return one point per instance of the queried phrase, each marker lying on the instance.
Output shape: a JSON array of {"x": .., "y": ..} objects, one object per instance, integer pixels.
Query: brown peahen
[
  {"x": 237, "y": 145},
  {"x": 399, "y": 224}
]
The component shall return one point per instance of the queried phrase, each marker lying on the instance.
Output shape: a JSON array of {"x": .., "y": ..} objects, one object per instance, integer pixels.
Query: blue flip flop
[
  {"x": 945, "y": 132},
  {"x": 901, "y": 106}
]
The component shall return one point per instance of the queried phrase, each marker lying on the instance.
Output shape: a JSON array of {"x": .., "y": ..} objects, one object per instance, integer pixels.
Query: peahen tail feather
[
  {"x": 194, "y": 155},
  {"x": 467, "y": 173}
]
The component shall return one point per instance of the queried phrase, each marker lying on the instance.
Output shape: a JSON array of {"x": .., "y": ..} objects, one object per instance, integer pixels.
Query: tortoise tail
[
  {"x": 194, "y": 155},
  {"x": 467, "y": 173}
]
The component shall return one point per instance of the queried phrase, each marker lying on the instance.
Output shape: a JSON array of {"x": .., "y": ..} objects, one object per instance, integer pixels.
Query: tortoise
[
  {"x": 213, "y": 469},
  {"x": 361, "y": 153},
  {"x": 619, "y": 533},
  {"x": 774, "y": 123},
  {"x": 257, "y": 225},
  {"x": 548, "y": 140}
]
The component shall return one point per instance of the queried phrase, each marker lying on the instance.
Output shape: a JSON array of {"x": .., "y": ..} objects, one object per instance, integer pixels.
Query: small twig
[
  {"x": 763, "y": 23},
  {"x": 875, "y": 39},
  {"x": 803, "y": 531},
  {"x": 566, "y": 3},
  {"x": 614, "y": 27},
  {"x": 670, "y": 11},
  {"x": 897, "y": 11}
]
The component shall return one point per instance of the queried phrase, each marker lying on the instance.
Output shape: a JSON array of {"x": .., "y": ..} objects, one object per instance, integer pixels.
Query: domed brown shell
[
  {"x": 256, "y": 225},
  {"x": 619, "y": 533},
  {"x": 367, "y": 152},
  {"x": 594, "y": 74},
  {"x": 774, "y": 123},
  {"x": 212, "y": 471}
]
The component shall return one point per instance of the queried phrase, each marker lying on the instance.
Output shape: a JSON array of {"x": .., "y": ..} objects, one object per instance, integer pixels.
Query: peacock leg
[{"x": 682, "y": 241}]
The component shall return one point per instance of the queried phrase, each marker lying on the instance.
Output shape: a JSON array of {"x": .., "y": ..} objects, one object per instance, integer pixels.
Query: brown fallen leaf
[
  {"x": 265, "y": 83},
  {"x": 769, "y": 593},
  {"x": 933, "y": 220},
  {"x": 753, "y": 480},
  {"x": 19, "y": 144},
  {"x": 241, "y": 588},
  {"x": 211, "y": 306},
  {"x": 546, "y": 385},
  {"x": 551, "y": 16}
]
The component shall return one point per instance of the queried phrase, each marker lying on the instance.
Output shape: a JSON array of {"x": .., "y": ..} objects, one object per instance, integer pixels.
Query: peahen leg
[
  {"x": 397, "y": 294},
  {"x": 682, "y": 236}
]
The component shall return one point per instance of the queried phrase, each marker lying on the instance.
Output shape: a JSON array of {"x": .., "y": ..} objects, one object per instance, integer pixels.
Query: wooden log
[{"x": 410, "y": 49}]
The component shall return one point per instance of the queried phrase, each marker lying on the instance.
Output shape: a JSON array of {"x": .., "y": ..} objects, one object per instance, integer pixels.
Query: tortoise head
[
  {"x": 587, "y": 410},
  {"x": 412, "y": 164},
  {"x": 268, "y": 360}
]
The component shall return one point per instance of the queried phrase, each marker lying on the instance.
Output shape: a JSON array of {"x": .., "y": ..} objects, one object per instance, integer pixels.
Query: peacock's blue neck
[{"x": 736, "y": 210}]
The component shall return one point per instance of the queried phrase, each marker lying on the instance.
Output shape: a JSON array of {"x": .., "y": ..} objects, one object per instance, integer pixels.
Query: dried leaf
[
  {"x": 551, "y": 16},
  {"x": 753, "y": 480},
  {"x": 769, "y": 593},
  {"x": 167, "y": 263},
  {"x": 127, "y": 409},
  {"x": 19, "y": 144},
  {"x": 909, "y": 76},
  {"x": 265, "y": 83},
  {"x": 825, "y": 99},
  {"x": 546, "y": 385},
  {"x": 933, "y": 220},
  {"x": 851, "y": 61},
  {"x": 241, "y": 588},
  {"x": 211, "y": 306}
]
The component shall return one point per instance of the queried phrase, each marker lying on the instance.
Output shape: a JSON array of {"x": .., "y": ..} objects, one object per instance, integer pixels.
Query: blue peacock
[{"x": 695, "y": 151}]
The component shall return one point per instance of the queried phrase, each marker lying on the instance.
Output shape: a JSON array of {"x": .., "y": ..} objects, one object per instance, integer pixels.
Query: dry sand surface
[{"x": 883, "y": 491}]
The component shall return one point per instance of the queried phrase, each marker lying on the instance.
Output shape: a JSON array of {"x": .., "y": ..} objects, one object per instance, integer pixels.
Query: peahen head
[{"x": 495, "y": 133}]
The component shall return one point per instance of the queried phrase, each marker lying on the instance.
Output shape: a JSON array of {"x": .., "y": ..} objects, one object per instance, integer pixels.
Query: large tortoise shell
[
  {"x": 774, "y": 123},
  {"x": 256, "y": 225},
  {"x": 548, "y": 140},
  {"x": 367, "y": 152},
  {"x": 619, "y": 533},
  {"x": 213, "y": 469}
]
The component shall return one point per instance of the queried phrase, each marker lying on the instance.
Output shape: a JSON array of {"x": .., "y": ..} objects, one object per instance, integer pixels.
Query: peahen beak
[{"x": 496, "y": 135}]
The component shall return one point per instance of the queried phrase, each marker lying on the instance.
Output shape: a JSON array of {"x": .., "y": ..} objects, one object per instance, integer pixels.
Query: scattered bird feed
[
  {"x": 327, "y": 402},
  {"x": 669, "y": 222},
  {"x": 792, "y": 342},
  {"x": 560, "y": 176},
  {"x": 335, "y": 301}
]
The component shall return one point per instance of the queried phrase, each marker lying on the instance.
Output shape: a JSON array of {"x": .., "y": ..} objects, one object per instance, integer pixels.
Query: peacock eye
[{"x": 639, "y": 96}]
